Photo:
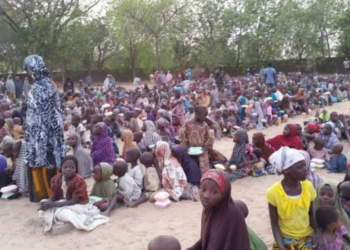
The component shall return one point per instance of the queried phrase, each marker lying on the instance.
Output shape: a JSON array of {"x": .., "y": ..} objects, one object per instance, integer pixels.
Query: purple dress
[
  {"x": 102, "y": 148},
  {"x": 188, "y": 164}
]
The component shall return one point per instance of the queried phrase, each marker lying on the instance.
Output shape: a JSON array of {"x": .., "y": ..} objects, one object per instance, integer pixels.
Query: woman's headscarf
[
  {"x": 344, "y": 217},
  {"x": 284, "y": 158},
  {"x": 189, "y": 165},
  {"x": 266, "y": 148},
  {"x": 163, "y": 123},
  {"x": 314, "y": 178},
  {"x": 104, "y": 188},
  {"x": 85, "y": 165},
  {"x": 36, "y": 67},
  {"x": 102, "y": 147},
  {"x": 239, "y": 148},
  {"x": 224, "y": 223},
  {"x": 292, "y": 141},
  {"x": 151, "y": 136},
  {"x": 128, "y": 139},
  {"x": 162, "y": 153},
  {"x": 314, "y": 127}
]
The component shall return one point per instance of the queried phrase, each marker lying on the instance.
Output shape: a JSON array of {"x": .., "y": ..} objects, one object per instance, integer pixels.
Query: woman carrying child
[
  {"x": 223, "y": 226},
  {"x": 174, "y": 179},
  {"x": 290, "y": 202}
]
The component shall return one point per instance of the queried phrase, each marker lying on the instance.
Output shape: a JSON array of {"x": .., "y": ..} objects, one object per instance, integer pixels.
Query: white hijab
[{"x": 284, "y": 158}]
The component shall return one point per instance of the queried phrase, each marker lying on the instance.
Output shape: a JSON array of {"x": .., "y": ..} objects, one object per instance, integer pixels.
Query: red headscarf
[
  {"x": 292, "y": 140},
  {"x": 314, "y": 127},
  {"x": 223, "y": 226},
  {"x": 266, "y": 148}
]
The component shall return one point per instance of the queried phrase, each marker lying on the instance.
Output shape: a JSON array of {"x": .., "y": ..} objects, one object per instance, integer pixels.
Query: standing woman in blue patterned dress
[{"x": 44, "y": 130}]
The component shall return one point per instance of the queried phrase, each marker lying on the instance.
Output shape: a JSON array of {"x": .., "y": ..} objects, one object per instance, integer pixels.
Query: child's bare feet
[{"x": 130, "y": 204}]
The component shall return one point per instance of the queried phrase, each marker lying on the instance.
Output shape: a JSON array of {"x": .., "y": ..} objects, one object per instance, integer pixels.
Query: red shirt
[{"x": 76, "y": 187}]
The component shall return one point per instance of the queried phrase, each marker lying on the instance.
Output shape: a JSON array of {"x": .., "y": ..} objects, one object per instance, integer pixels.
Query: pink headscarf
[{"x": 162, "y": 122}]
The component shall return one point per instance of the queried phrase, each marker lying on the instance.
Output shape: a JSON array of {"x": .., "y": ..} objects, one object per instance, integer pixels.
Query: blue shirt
[
  {"x": 338, "y": 164},
  {"x": 270, "y": 74}
]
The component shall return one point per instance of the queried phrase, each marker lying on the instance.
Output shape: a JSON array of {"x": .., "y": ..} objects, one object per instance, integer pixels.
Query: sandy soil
[{"x": 132, "y": 229}]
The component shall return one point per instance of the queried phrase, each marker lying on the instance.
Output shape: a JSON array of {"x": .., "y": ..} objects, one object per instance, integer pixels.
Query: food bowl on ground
[
  {"x": 9, "y": 189},
  {"x": 163, "y": 204},
  {"x": 162, "y": 196}
]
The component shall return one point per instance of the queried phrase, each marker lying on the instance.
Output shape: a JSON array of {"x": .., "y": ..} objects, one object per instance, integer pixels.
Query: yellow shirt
[{"x": 293, "y": 214}]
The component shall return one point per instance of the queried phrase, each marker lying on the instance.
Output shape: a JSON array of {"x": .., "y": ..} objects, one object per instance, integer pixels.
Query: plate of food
[
  {"x": 233, "y": 167},
  {"x": 195, "y": 151},
  {"x": 219, "y": 167},
  {"x": 152, "y": 146}
]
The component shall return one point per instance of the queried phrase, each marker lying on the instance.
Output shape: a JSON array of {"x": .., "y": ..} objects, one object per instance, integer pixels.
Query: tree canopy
[{"x": 141, "y": 36}]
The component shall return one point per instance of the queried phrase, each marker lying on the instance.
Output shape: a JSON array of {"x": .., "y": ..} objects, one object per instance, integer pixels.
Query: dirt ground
[{"x": 132, "y": 229}]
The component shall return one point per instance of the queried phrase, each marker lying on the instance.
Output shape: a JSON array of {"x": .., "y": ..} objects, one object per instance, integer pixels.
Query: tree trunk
[
  {"x": 157, "y": 53},
  {"x": 63, "y": 72}
]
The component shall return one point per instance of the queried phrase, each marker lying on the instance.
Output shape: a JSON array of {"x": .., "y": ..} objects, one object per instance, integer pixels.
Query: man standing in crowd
[{"x": 270, "y": 76}]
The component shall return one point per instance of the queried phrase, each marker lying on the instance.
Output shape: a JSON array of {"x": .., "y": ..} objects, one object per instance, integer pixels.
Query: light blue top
[{"x": 270, "y": 75}]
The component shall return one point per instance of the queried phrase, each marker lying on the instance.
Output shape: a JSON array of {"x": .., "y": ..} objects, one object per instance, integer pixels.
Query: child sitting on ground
[
  {"x": 108, "y": 122},
  {"x": 128, "y": 190},
  {"x": 338, "y": 162},
  {"x": 151, "y": 179},
  {"x": 259, "y": 167},
  {"x": 18, "y": 132},
  {"x": 137, "y": 138},
  {"x": 75, "y": 192},
  {"x": 132, "y": 155},
  {"x": 104, "y": 186},
  {"x": 78, "y": 127},
  {"x": 164, "y": 242},
  {"x": 329, "y": 221},
  {"x": 254, "y": 241},
  {"x": 345, "y": 196},
  {"x": 318, "y": 151}
]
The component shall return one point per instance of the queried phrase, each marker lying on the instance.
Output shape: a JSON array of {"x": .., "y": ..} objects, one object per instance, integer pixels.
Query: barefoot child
[
  {"x": 151, "y": 179},
  {"x": 104, "y": 186},
  {"x": 68, "y": 185},
  {"x": 164, "y": 242},
  {"x": 128, "y": 190},
  {"x": 329, "y": 221},
  {"x": 220, "y": 216},
  {"x": 290, "y": 202},
  {"x": 132, "y": 155},
  {"x": 338, "y": 162}
]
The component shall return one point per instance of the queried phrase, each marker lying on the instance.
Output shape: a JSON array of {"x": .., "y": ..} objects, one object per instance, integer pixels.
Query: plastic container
[
  {"x": 317, "y": 161},
  {"x": 9, "y": 189},
  {"x": 162, "y": 196},
  {"x": 163, "y": 204}
]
